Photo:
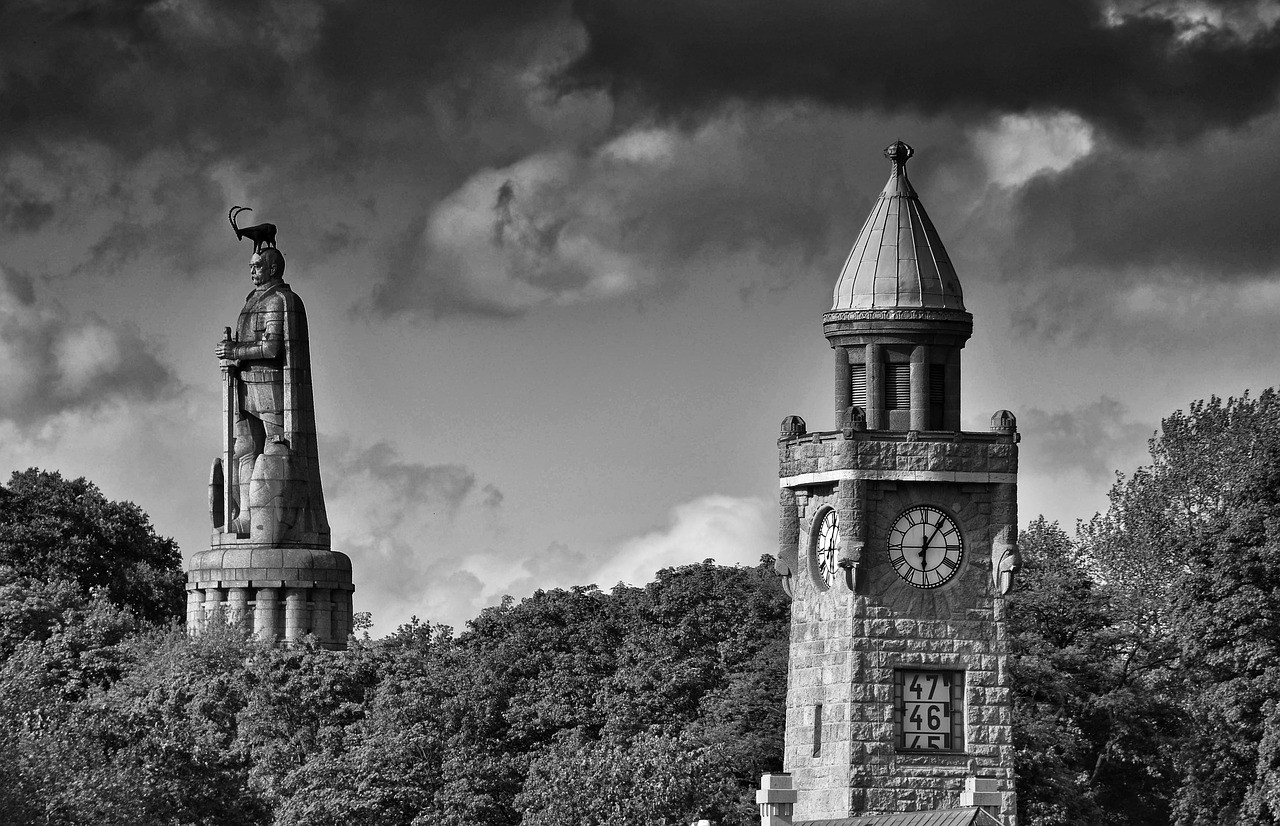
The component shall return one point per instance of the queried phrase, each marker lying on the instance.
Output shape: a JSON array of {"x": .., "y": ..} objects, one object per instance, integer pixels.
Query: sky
[{"x": 565, "y": 263}]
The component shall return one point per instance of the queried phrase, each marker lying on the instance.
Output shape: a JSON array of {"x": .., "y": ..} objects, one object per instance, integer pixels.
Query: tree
[
  {"x": 55, "y": 529},
  {"x": 1189, "y": 548},
  {"x": 648, "y": 779},
  {"x": 1094, "y": 713}
]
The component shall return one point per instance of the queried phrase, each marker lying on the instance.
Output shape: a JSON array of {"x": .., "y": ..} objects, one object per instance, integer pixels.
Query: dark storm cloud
[
  {"x": 51, "y": 363},
  {"x": 418, "y": 107},
  {"x": 1206, "y": 207},
  {"x": 289, "y": 99},
  {"x": 213, "y": 76},
  {"x": 1141, "y": 75}
]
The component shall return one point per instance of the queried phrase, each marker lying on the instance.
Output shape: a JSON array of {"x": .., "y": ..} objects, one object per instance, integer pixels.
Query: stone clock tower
[{"x": 898, "y": 547}]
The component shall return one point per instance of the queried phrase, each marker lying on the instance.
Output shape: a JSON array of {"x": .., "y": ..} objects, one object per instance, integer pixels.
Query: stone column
[
  {"x": 875, "y": 387},
  {"x": 195, "y": 610},
  {"x": 297, "y": 615},
  {"x": 844, "y": 391},
  {"x": 1005, "y": 560},
  {"x": 213, "y": 605},
  {"x": 787, "y": 562},
  {"x": 341, "y": 615},
  {"x": 238, "y": 606},
  {"x": 920, "y": 387},
  {"x": 322, "y": 614},
  {"x": 851, "y": 498},
  {"x": 265, "y": 611}
]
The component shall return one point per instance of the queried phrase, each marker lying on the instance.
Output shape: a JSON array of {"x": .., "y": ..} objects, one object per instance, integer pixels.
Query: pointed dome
[{"x": 898, "y": 261}]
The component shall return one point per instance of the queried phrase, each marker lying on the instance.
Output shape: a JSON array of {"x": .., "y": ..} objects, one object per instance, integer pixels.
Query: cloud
[
  {"x": 51, "y": 363},
  {"x": 1094, "y": 440},
  {"x": 399, "y": 487},
  {"x": 1205, "y": 207},
  {"x": 140, "y": 123},
  {"x": 638, "y": 215},
  {"x": 431, "y": 541},
  {"x": 1146, "y": 74},
  {"x": 488, "y": 250},
  {"x": 1017, "y": 148},
  {"x": 410, "y": 529},
  {"x": 732, "y": 531},
  {"x": 1145, "y": 245}
]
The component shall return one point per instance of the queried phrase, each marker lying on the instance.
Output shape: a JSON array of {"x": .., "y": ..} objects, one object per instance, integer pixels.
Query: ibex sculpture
[{"x": 262, "y": 235}]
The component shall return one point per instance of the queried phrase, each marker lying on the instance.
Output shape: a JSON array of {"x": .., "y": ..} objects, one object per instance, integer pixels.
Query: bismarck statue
[
  {"x": 269, "y": 565},
  {"x": 271, "y": 489}
]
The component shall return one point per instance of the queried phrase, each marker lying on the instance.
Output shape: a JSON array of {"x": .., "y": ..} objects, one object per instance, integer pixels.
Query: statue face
[{"x": 261, "y": 270}]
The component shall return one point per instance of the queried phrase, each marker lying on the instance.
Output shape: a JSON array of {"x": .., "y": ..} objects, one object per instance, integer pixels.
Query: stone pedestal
[{"x": 285, "y": 593}]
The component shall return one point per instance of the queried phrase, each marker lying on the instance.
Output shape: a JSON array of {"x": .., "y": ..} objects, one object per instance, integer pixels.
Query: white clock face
[
  {"x": 824, "y": 549},
  {"x": 925, "y": 547}
]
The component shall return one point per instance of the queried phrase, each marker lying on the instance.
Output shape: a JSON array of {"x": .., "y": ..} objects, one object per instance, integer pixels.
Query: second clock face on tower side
[
  {"x": 824, "y": 548},
  {"x": 925, "y": 547}
]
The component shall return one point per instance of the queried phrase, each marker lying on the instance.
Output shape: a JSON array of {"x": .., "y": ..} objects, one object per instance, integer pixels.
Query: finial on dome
[{"x": 899, "y": 153}]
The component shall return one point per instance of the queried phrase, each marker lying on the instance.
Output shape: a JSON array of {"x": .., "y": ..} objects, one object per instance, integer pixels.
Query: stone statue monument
[
  {"x": 269, "y": 564},
  {"x": 271, "y": 489}
]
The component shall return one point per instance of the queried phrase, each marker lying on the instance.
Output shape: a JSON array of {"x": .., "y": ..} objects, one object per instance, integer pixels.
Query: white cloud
[
  {"x": 531, "y": 233},
  {"x": 732, "y": 531},
  {"x": 1019, "y": 147},
  {"x": 443, "y": 553}
]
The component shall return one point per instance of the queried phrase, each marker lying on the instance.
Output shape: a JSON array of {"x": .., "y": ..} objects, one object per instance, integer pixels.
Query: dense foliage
[
  {"x": 1147, "y": 649},
  {"x": 1145, "y": 667},
  {"x": 658, "y": 705},
  {"x": 53, "y": 530}
]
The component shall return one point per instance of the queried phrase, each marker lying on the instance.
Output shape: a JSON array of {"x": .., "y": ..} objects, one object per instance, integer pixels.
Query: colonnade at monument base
[{"x": 280, "y": 593}]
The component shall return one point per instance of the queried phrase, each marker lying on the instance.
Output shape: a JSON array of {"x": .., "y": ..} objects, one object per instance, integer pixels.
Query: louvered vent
[
  {"x": 937, "y": 395},
  {"x": 897, "y": 386},
  {"x": 858, "y": 384}
]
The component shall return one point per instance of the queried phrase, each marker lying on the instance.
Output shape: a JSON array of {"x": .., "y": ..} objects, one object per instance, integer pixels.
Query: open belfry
[
  {"x": 897, "y": 536},
  {"x": 269, "y": 566}
]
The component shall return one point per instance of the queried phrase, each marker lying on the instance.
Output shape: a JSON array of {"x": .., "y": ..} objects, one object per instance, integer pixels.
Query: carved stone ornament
[
  {"x": 853, "y": 420},
  {"x": 897, "y": 314},
  {"x": 793, "y": 427}
]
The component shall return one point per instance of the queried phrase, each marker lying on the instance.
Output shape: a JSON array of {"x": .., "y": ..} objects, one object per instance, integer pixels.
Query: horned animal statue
[{"x": 262, "y": 235}]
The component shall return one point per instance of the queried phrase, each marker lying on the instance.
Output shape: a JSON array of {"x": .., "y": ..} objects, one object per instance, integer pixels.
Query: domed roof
[{"x": 898, "y": 261}]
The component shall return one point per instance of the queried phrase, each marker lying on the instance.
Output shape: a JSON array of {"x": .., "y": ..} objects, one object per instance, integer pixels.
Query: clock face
[
  {"x": 925, "y": 547},
  {"x": 824, "y": 548}
]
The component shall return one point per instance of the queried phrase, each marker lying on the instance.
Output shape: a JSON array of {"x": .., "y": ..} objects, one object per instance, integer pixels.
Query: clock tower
[{"x": 898, "y": 547}]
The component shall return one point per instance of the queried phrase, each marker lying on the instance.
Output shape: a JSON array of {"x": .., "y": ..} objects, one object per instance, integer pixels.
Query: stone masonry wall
[{"x": 845, "y": 645}]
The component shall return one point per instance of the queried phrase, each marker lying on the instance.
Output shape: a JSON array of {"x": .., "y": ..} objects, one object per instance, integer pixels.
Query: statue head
[{"x": 266, "y": 266}]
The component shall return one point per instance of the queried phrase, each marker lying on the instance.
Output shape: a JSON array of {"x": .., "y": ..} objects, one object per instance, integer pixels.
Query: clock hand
[{"x": 924, "y": 549}]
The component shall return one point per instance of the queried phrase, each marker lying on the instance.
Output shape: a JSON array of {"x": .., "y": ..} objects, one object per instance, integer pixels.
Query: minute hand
[{"x": 924, "y": 549}]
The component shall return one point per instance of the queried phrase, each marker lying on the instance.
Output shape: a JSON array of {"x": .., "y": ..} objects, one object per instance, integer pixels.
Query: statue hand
[{"x": 225, "y": 350}]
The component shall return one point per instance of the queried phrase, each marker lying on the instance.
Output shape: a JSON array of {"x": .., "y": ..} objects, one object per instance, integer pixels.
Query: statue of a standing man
[{"x": 273, "y": 479}]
